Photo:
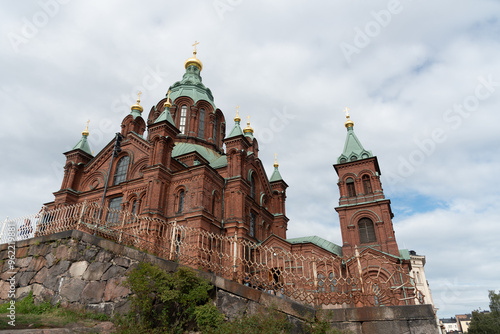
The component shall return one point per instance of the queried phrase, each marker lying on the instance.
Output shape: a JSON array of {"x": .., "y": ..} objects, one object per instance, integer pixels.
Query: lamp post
[{"x": 116, "y": 150}]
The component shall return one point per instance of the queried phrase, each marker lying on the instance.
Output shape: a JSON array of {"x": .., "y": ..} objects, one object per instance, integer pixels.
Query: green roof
[
  {"x": 165, "y": 116},
  {"x": 83, "y": 145},
  {"x": 214, "y": 159},
  {"x": 320, "y": 242},
  {"x": 276, "y": 175},
  {"x": 353, "y": 150},
  {"x": 404, "y": 254},
  {"x": 236, "y": 131},
  {"x": 191, "y": 85}
]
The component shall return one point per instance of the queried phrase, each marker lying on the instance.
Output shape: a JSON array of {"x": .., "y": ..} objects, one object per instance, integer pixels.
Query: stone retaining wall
[{"x": 83, "y": 271}]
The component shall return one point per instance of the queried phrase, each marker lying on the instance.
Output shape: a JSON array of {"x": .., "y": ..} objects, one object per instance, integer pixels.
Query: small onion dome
[
  {"x": 86, "y": 131},
  {"x": 137, "y": 106},
  {"x": 248, "y": 128},
  {"x": 349, "y": 123},
  {"x": 193, "y": 61}
]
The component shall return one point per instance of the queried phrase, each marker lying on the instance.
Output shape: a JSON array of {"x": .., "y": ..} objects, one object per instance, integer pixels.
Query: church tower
[{"x": 364, "y": 212}]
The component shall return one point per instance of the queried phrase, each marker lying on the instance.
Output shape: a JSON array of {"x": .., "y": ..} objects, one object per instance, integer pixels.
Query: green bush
[
  {"x": 208, "y": 318},
  {"x": 165, "y": 300}
]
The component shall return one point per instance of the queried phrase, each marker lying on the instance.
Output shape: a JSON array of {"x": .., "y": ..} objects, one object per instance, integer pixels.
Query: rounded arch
[
  {"x": 364, "y": 214},
  {"x": 180, "y": 196},
  {"x": 366, "y": 230},
  {"x": 121, "y": 168},
  {"x": 252, "y": 180},
  {"x": 367, "y": 171},
  {"x": 135, "y": 171},
  {"x": 216, "y": 204},
  {"x": 367, "y": 184},
  {"x": 263, "y": 200},
  {"x": 349, "y": 175},
  {"x": 94, "y": 180},
  {"x": 205, "y": 105}
]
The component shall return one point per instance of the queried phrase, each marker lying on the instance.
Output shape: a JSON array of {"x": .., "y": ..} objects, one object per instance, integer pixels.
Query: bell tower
[{"x": 364, "y": 212}]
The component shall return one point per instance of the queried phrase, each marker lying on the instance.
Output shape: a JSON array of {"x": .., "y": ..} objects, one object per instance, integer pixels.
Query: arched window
[
  {"x": 252, "y": 224},
  {"x": 182, "y": 121},
  {"x": 134, "y": 208},
  {"x": 321, "y": 282},
  {"x": 366, "y": 231},
  {"x": 367, "y": 186},
  {"x": 121, "y": 170},
  {"x": 351, "y": 190},
  {"x": 333, "y": 282},
  {"x": 201, "y": 124},
  {"x": 113, "y": 215},
  {"x": 252, "y": 186},
  {"x": 215, "y": 134},
  {"x": 180, "y": 206}
]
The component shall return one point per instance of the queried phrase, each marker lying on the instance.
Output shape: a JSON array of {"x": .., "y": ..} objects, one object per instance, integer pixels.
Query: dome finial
[
  {"x": 193, "y": 60},
  {"x": 168, "y": 104},
  {"x": 86, "y": 131},
  {"x": 237, "y": 118},
  {"x": 275, "y": 160},
  {"x": 248, "y": 127},
  {"x": 137, "y": 106},
  {"x": 348, "y": 123}
]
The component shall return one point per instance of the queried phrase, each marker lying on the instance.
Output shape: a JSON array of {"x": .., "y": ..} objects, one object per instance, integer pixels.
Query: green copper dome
[{"x": 191, "y": 86}]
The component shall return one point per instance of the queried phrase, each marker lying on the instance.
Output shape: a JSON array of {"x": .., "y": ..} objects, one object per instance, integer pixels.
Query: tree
[{"x": 487, "y": 323}]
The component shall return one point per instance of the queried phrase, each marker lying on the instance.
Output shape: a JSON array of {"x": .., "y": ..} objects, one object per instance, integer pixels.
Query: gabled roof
[{"x": 320, "y": 242}]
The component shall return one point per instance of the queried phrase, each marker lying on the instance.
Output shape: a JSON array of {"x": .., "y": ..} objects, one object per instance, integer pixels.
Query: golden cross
[
  {"x": 346, "y": 110},
  {"x": 168, "y": 95},
  {"x": 195, "y": 43},
  {"x": 275, "y": 157},
  {"x": 237, "y": 111},
  {"x": 87, "y": 128},
  {"x": 139, "y": 96},
  {"x": 248, "y": 119}
]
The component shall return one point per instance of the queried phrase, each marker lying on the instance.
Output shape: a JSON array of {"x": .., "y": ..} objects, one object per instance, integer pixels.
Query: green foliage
[
  {"x": 27, "y": 306},
  {"x": 494, "y": 301},
  {"x": 272, "y": 322},
  {"x": 164, "y": 299},
  {"x": 487, "y": 322},
  {"x": 208, "y": 318}
]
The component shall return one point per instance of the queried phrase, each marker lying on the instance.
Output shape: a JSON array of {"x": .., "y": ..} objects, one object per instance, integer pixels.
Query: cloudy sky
[{"x": 422, "y": 79}]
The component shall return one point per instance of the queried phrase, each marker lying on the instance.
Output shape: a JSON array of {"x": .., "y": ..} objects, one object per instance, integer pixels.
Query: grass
[{"x": 45, "y": 315}]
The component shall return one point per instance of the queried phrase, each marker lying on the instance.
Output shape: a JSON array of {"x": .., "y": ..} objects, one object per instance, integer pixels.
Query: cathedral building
[
  {"x": 186, "y": 169},
  {"x": 180, "y": 170}
]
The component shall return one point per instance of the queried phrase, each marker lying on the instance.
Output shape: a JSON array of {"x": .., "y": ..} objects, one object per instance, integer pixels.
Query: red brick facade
[{"x": 182, "y": 175}]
